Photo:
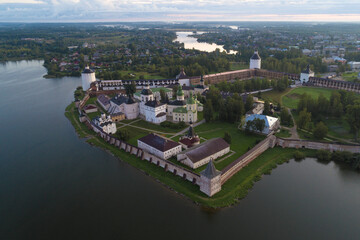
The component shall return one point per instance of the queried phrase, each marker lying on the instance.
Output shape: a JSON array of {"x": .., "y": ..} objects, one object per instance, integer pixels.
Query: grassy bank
[{"x": 233, "y": 190}]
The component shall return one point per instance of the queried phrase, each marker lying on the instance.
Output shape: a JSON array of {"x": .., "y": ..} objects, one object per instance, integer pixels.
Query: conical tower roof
[
  {"x": 210, "y": 171},
  {"x": 255, "y": 56}
]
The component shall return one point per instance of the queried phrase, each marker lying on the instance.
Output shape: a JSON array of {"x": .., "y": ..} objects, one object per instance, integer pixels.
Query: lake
[
  {"x": 191, "y": 42},
  {"x": 54, "y": 185}
]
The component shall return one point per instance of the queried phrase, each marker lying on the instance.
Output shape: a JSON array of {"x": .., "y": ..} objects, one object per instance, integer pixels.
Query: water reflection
[{"x": 191, "y": 42}]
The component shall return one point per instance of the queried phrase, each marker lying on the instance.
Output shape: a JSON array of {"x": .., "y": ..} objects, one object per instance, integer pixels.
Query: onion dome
[{"x": 180, "y": 91}]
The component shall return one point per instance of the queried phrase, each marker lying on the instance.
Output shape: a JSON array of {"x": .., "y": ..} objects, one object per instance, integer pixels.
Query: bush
[
  {"x": 299, "y": 155},
  {"x": 124, "y": 134},
  {"x": 172, "y": 125},
  {"x": 323, "y": 155},
  {"x": 227, "y": 137},
  {"x": 346, "y": 157}
]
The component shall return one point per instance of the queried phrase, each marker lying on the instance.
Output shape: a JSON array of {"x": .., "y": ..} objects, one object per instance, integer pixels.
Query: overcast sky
[{"x": 178, "y": 10}]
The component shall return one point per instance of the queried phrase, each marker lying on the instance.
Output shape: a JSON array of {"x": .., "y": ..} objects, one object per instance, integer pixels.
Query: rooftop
[
  {"x": 159, "y": 143},
  {"x": 206, "y": 149}
]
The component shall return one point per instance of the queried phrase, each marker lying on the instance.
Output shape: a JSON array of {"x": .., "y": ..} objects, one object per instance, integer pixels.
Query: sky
[{"x": 178, "y": 10}]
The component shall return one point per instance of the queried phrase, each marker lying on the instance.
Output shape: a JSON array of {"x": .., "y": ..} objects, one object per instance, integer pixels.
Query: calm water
[
  {"x": 191, "y": 42},
  {"x": 54, "y": 185}
]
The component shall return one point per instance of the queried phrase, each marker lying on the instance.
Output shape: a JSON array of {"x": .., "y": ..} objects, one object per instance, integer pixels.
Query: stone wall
[
  {"x": 335, "y": 84},
  {"x": 245, "y": 159},
  {"x": 292, "y": 143}
]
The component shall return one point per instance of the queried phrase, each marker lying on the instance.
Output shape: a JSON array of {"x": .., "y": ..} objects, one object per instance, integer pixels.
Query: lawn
[
  {"x": 91, "y": 100},
  {"x": 135, "y": 134},
  {"x": 291, "y": 99},
  {"x": 155, "y": 127},
  {"x": 350, "y": 76},
  {"x": 240, "y": 142},
  {"x": 339, "y": 128},
  {"x": 284, "y": 133},
  {"x": 93, "y": 114},
  {"x": 274, "y": 96}
]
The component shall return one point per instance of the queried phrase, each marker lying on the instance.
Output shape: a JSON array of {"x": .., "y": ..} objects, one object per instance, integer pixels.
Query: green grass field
[
  {"x": 283, "y": 133},
  {"x": 274, "y": 96},
  {"x": 292, "y": 98},
  {"x": 135, "y": 134},
  {"x": 350, "y": 76},
  {"x": 155, "y": 127}
]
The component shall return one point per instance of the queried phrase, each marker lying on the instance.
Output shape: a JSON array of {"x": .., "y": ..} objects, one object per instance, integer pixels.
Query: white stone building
[
  {"x": 203, "y": 153},
  {"x": 159, "y": 146},
  {"x": 152, "y": 110},
  {"x": 127, "y": 105},
  {"x": 105, "y": 123}
]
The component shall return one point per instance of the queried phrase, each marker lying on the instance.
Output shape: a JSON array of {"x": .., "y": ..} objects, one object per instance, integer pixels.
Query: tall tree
[
  {"x": 130, "y": 89},
  {"x": 320, "y": 130},
  {"x": 208, "y": 111},
  {"x": 304, "y": 119},
  {"x": 353, "y": 117}
]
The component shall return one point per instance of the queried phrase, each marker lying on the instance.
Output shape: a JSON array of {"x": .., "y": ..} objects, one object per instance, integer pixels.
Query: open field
[
  {"x": 135, "y": 134},
  {"x": 155, "y": 127},
  {"x": 274, "y": 96},
  {"x": 350, "y": 76},
  {"x": 292, "y": 98},
  {"x": 238, "y": 66},
  {"x": 284, "y": 133}
]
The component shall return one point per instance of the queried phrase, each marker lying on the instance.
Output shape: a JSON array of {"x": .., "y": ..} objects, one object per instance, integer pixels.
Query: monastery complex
[{"x": 190, "y": 151}]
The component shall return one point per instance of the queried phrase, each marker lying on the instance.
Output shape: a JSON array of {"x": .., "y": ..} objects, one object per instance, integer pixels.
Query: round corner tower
[
  {"x": 255, "y": 61},
  {"x": 87, "y": 77}
]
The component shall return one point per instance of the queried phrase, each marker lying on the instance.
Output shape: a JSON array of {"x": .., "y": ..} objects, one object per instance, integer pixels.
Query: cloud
[{"x": 181, "y": 10}]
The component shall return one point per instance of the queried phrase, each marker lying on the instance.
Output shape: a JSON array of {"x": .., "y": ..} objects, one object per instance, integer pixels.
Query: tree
[
  {"x": 304, "y": 119},
  {"x": 130, "y": 89},
  {"x": 227, "y": 137},
  {"x": 259, "y": 124},
  {"x": 285, "y": 117},
  {"x": 266, "y": 108},
  {"x": 124, "y": 134},
  {"x": 320, "y": 130},
  {"x": 208, "y": 111},
  {"x": 353, "y": 117},
  {"x": 162, "y": 95},
  {"x": 174, "y": 90},
  {"x": 249, "y": 103}
]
